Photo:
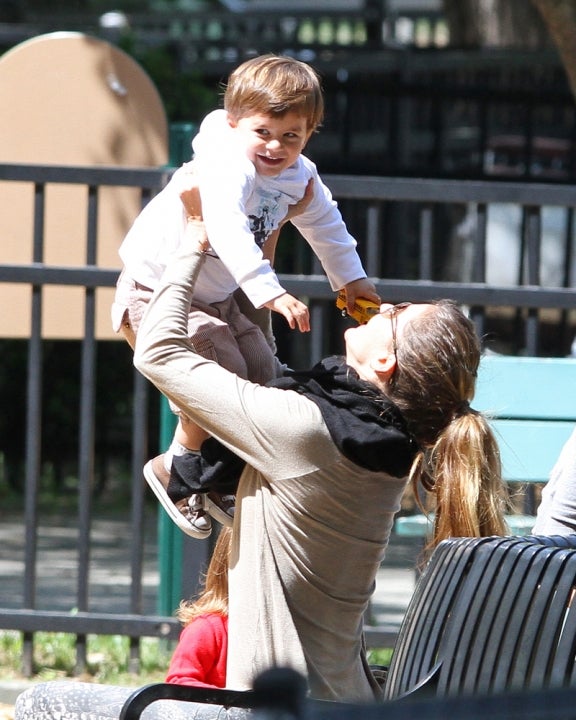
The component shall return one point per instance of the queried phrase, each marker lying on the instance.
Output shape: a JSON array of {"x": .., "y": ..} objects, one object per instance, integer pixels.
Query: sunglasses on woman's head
[{"x": 392, "y": 312}]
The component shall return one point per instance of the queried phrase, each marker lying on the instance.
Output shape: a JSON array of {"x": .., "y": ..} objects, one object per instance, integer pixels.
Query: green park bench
[{"x": 532, "y": 405}]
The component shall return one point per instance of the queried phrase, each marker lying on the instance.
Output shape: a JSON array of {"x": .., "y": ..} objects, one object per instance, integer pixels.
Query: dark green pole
[{"x": 170, "y": 538}]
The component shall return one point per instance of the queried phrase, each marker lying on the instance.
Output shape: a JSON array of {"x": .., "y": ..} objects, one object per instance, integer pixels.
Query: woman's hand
[
  {"x": 301, "y": 206},
  {"x": 189, "y": 192},
  {"x": 269, "y": 247}
]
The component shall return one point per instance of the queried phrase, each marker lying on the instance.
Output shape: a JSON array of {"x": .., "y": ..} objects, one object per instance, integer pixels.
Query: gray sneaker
[
  {"x": 189, "y": 513},
  {"x": 221, "y": 507}
]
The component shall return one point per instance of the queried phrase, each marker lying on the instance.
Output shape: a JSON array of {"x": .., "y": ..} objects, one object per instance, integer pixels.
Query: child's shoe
[
  {"x": 221, "y": 507},
  {"x": 188, "y": 512}
]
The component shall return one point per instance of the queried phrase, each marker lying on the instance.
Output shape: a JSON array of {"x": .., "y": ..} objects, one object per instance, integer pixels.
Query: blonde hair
[
  {"x": 275, "y": 85},
  {"x": 214, "y": 595},
  {"x": 459, "y": 460}
]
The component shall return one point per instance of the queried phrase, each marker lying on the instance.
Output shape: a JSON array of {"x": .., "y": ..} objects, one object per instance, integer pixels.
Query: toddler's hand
[
  {"x": 362, "y": 288},
  {"x": 295, "y": 312}
]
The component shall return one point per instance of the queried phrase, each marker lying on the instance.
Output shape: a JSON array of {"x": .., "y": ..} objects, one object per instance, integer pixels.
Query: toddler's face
[{"x": 272, "y": 143}]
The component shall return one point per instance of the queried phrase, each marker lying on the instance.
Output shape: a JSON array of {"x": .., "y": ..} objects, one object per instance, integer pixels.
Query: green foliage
[
  {"x": 185, "y": 96},
  {"x": 380, "y": 656},
  {"x": 107, "y": 658},
  {"x": 61, "y": 371}
]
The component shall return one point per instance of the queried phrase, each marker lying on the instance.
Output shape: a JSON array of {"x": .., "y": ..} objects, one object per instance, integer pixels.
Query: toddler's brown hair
[{"x": 275, "y": 85}]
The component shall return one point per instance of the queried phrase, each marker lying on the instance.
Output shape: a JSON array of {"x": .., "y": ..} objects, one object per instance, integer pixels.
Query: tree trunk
[
  {"x": 560, "y": 19},
  {"x": 495, "y": 23}
]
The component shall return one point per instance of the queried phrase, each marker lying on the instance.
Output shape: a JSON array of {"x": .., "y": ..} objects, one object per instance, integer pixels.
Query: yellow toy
[{"x": 363, "y": 309}]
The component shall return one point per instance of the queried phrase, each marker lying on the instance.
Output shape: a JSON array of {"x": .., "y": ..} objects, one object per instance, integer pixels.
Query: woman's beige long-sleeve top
[{"x": 311, "y": 527}]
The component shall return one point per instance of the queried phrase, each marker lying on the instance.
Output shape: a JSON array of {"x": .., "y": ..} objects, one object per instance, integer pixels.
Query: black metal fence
[
  {"x": 209, "y": 36},
  {"x": 402, "y": 226},
  {"x": 399, "y": 99}
]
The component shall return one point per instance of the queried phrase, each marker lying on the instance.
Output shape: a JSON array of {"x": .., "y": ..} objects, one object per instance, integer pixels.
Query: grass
[
  {"x": 380, "y": 656},
  {"x": 108, "y": 658}
]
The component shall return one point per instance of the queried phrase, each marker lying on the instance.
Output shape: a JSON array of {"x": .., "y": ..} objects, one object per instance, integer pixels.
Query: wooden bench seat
[{"x": 532, "y": 405}]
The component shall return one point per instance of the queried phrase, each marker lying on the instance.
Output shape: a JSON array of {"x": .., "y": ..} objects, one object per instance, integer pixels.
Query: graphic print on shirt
[{"x": 264, "y": 220}]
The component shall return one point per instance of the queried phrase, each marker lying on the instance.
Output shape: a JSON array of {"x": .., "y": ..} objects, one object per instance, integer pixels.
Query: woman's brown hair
[{"x": 438, "y": 356}]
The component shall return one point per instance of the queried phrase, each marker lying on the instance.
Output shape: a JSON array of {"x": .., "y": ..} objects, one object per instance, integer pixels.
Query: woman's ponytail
[
  {"x": 469, "y": 497},
  {"x": 459, "y": 460}
]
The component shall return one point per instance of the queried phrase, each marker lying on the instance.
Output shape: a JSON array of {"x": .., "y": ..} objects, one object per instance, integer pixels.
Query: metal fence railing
[
  {"x": 403, "y": 245},
  {"x": 208, "y": 36}
]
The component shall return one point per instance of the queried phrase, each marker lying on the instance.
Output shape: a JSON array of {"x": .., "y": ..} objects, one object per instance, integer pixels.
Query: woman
[{"x": 328, "y": 456}]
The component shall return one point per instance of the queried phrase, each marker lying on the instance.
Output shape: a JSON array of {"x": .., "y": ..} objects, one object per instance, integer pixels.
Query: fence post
[
  {"x": 176, "y": 550},
  {"x": 169, "y": 537}
]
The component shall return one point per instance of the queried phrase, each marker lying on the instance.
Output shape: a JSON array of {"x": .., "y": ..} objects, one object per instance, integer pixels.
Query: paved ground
[
  {"x": 395, "y": 583},
  {"x": 57, "y": 560},
  {"x": 109, "y": 571}
]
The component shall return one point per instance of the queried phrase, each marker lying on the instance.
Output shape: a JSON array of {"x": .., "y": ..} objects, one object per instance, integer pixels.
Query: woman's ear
[
  {"x": 384, "y": 366},
  {"x": 232, "y": 121}
]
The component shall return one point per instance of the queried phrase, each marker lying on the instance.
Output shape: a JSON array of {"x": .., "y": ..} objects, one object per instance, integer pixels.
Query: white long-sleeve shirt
[{"x": 240, "y": 209}]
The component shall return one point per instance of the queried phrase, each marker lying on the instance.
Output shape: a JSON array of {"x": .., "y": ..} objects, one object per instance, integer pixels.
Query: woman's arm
[{"x": 276, "y": 431}]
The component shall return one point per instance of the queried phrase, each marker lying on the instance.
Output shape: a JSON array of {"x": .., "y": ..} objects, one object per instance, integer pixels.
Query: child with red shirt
[{"x": 200, "y": 656}]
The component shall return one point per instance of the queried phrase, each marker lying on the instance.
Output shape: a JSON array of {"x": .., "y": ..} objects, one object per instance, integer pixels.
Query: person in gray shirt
[{"x": 557, "y": 510}]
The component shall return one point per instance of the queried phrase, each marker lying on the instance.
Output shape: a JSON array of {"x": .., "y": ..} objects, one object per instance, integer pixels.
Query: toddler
[{"x": 251, "y": 176}]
